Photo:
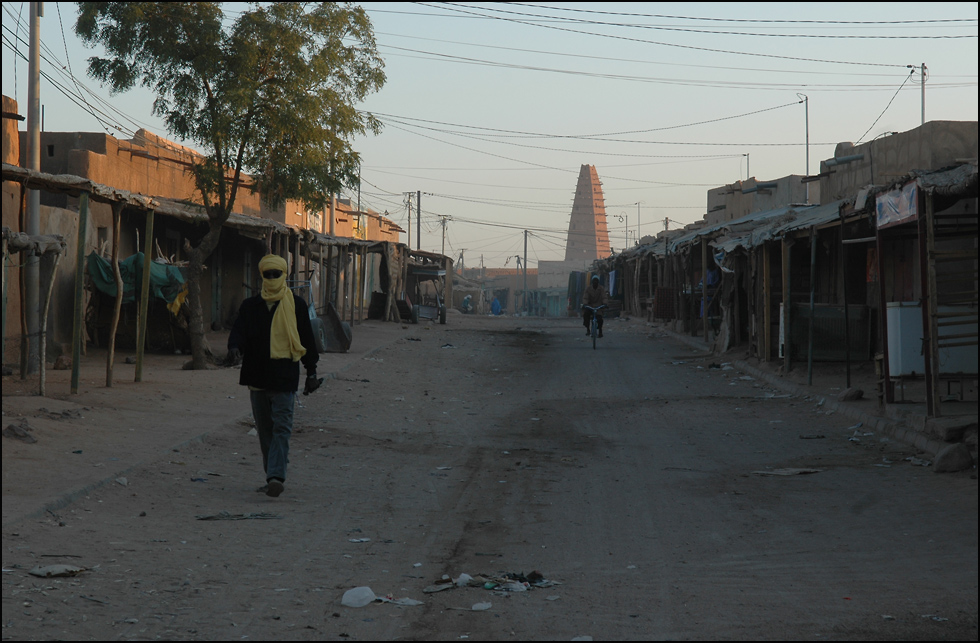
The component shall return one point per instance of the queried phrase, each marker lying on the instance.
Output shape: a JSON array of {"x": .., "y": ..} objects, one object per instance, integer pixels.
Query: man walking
[{"x": 271, "y": 335}]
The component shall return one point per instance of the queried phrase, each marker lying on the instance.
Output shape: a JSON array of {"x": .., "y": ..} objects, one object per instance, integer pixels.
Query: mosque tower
[{"x": 588, "y": 236}]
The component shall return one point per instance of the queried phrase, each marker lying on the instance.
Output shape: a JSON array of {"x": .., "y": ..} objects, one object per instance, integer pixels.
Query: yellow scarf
[{"x": 284, "y": 337}]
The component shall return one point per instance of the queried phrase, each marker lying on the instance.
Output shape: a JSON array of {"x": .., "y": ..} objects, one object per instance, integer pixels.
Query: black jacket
[{"x": 251, "y": 335}]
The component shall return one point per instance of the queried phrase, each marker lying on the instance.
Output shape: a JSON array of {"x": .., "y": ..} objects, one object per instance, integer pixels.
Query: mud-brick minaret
[{"x": 588, "y": 237}]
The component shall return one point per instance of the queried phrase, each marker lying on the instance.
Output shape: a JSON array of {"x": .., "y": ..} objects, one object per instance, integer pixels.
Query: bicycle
[{"x": 594, "y": 326}]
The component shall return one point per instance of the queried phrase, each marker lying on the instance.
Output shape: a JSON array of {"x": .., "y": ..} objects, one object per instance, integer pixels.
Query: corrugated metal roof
[
  {"x": 776, "y": 225},
  {"x": 754, "y": 229},
  {"x": 952, "y": 180},
  {"x": 748, "y": 231}
]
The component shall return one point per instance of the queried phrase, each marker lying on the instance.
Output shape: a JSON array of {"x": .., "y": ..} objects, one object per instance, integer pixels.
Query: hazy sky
[{"x": 491, "y": 109}]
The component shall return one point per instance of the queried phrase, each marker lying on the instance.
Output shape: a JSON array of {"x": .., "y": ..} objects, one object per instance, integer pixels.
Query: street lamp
[{"x": 624, "y": 217}]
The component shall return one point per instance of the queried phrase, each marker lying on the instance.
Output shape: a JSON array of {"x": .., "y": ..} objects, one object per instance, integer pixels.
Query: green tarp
[{"x": 166, "y": 281}]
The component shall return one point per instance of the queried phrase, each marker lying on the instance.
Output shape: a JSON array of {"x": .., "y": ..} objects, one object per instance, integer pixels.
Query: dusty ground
[{"x": 627, "y": 476}]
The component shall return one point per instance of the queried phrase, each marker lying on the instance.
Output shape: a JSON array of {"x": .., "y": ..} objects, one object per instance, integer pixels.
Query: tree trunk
[
  {"x": 195, "y": 313},
  {"x": 200, "y": 350}
]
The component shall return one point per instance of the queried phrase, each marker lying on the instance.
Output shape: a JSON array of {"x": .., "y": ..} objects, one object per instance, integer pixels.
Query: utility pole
[
  {"x": 923, "y": 68},
  {"x": 408, "y": 203},
  {"x": 418, "y": 221},
  {"x": 806, "y": 106},
  {"x": 525, "y": 272},
  {"x": 444, "y": 219},
  {"x": 922, "y": 72},
  {"x": 32, "y": 267}
]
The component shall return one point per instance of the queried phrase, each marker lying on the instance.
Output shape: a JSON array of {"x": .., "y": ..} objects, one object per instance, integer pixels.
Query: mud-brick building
[
  {"x": 341, "y": 250},
  {"x": 883, "y": 268}
]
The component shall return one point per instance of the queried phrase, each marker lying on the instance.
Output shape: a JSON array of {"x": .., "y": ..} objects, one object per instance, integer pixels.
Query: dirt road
[{"x": 640, "y": 481}]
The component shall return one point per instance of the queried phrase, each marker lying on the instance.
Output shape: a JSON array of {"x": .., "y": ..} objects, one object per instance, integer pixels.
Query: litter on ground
[{"x": 786, "y": 472}]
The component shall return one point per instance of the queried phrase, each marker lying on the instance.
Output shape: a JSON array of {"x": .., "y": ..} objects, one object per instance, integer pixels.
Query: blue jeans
[{"x": 273, "y": 413}]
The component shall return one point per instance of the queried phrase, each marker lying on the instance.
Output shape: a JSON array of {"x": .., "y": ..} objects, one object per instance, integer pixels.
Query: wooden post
[
  {"x": 751, "y": 299},
  {"x": 847, "y": 318},
  {"x": 704, "y": 288},
  {"x": 116, "y": 233},
  {"x": 930, "y": 307},
  {"x": 692, "y": 306},
  {"x": 447, "y": 285},
  {"x": 342, "y": 282},
  {"x": 390, "y": 295},
  {"x": 635, "y": 290},
  {"x": 297, "y": 253},
  {"x": 77, "y": 335},
  {"x": 650, "y": 287},
  {"x": 3, "y": 321},
  {"x": 738, "y": 277},
  {"x": 882, "y": 315},
  {"x": 767, "y": 302},
  {"x": 353, "y": 283},
  {"x": 44, "y": 324},
  {"x": 361, "y": 280},
  {"x": 25, "y": 338},
  {"x": 787, "y": 306},
  {"x": 335, "y": 281},
  {"x": 813, "y": 292},
  {"x": 324, "y": 276},
  {"x": 362, "y": 283},
  {"x": 145, "y": 296}
]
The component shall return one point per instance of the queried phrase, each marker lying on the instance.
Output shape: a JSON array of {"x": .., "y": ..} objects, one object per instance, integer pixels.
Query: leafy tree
[{"x": 271, "y": 93}]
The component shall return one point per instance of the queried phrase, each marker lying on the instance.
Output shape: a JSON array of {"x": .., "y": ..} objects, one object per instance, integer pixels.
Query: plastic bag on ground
[{"x": 358, "y": 597}]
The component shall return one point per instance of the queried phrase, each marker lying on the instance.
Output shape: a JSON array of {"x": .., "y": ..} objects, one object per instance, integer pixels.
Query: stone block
[
  {"x": 950, "y": 429},
  {"x": 952, "y": 458},
  {"x": 850, "y": 394}
]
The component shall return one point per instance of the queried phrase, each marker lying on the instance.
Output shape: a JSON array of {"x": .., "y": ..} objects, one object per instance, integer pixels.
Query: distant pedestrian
[
  {"x": 271, "y": 335},
  {"x": 495, "y": 307}
]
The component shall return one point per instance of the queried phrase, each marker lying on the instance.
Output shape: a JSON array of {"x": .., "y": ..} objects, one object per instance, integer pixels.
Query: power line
[
  {"x": 732, "y": 84},
  {"x": 51, "y": 59},
  {"x": 660, "y": 183},
  {"x": 646, "y": 61},
  {"x": 888, "y": 105},
  {"x": 712, "y": 32},
  {"x": 599, "y": 137},
  {"x": 751, "y": 20},
  {"x": 70, "y": 72},
  {"x": 552, "y": 149},
  {"x": 681, "y": 158},
  {"x": 667, "y": 44}
]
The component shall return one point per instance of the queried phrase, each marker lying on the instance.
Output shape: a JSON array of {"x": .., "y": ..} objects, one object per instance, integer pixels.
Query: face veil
[{"x": 284, "y": 339}]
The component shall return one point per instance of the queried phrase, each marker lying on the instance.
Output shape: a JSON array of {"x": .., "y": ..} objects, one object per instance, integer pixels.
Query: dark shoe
[
  {"x": 600, "y": 333},
  {"x": 275, "y": 488},
  {"x": 588, "y": 332},
  {"x": 263, "y": 489}
]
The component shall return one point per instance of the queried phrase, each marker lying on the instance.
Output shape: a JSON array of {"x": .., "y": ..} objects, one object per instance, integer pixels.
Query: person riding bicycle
[{"x": 596, "y": 295}]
